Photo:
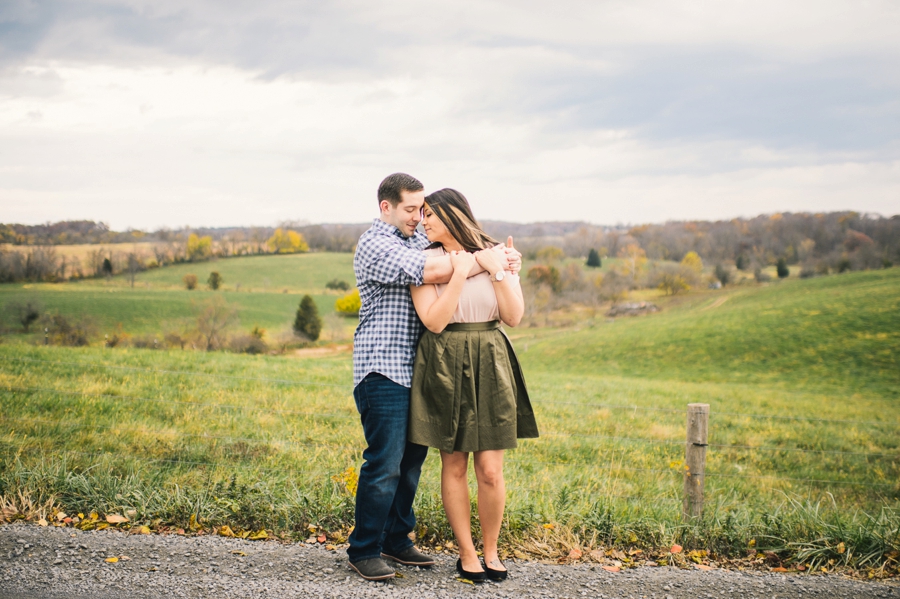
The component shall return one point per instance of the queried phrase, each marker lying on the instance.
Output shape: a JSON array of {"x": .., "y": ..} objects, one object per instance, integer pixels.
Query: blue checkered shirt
[{"x": 386, "y": 264}]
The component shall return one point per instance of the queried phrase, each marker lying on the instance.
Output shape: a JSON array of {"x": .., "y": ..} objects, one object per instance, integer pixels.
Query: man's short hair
[{"x": 393, "y": 185}]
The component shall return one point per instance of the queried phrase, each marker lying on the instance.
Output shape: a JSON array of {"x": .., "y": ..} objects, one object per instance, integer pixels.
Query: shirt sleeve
[{"x": 388, "y": 262}]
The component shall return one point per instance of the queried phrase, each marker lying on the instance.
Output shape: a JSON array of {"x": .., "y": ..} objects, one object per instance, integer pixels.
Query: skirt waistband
[{"x": 473, "y": 326}]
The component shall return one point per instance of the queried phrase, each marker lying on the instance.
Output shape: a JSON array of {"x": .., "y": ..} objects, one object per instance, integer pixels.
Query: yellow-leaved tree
[
  {"x": 693, "y": 261},
  {"x": 349, "y": 305},
  {"x": 199, "y": 248},
  {"x": 285, "y": 241},
  {"x": 634, "y": 258}
]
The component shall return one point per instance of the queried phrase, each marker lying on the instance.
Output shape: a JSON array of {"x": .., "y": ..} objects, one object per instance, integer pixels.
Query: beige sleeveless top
[{"x": 477, "y": 302}]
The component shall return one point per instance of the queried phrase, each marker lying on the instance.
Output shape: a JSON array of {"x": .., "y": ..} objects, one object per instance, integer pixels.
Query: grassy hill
[
  {"x": 270, "y": 292},
  {"x": 305, "y": 273},
  {"x": 802, "y": 379},
  {"x": 840, "y": 332}
]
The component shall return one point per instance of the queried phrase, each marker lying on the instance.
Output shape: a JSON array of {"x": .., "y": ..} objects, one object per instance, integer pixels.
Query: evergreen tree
[
  {"x": 107, "y": 268},
  {"x": 782, "y": 268},
  {"x": 594, "y": 259},
  {"x": 307, "y": 323}
]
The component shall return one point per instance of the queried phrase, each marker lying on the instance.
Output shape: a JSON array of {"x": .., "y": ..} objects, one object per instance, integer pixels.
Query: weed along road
[{"x": 56, "y": 563}]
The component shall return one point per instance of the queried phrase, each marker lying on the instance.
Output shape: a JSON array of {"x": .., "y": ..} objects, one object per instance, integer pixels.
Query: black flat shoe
[
  {"x": 494, "y": 574},
  {"x": 473, "y": 576}
]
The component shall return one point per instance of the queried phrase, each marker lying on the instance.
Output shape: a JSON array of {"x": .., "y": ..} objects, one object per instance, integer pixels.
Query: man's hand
[{"x": 462, "y": 263}]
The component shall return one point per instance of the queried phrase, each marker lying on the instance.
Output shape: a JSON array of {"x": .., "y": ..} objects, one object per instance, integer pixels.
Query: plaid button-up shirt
[{"x": 386, "y": 264}]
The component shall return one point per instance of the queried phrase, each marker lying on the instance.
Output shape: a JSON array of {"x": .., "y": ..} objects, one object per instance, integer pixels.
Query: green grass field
[
  {"x": 269, "y": 295},
  {"x": 801, "y": 377}
]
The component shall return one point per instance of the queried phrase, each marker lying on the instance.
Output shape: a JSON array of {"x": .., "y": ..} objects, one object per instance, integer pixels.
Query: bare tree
[
  {"x": 213, "y": 319},
  {"x": 135, "y": 265},
  {"x": 25, "y": 313}
]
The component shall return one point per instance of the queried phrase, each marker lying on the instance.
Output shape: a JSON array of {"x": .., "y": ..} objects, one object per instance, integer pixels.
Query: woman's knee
[
  {"x": 455, "y": 466},
  {"x": 490, "y": 475}
]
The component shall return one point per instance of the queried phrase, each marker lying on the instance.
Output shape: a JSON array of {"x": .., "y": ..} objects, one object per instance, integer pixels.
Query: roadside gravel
[{"x": 53, "y": 563}]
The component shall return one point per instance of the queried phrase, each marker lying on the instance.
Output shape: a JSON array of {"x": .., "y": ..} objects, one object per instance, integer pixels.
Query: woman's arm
[
  {"x": 508, "y": 291},
  {"x": 435, "y": 311}
]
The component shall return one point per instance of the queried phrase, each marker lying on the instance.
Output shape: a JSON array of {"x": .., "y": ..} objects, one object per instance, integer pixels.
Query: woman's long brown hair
[{"x": 453, "y": 209}]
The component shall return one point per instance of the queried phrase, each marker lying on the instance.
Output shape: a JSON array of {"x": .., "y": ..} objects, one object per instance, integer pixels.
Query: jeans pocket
[{"x": 361, "y": 397}]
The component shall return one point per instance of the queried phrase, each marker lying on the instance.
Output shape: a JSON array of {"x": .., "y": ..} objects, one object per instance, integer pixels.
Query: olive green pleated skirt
[{"x": 468, "y": 392}]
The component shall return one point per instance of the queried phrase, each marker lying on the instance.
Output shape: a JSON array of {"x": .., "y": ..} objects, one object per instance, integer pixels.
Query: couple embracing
[{"x": 433, "y": 368}]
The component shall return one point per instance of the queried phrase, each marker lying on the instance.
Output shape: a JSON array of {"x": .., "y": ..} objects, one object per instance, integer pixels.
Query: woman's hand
[
  {"x": 491, "y": 260},
  {"x": 462, "y": 263}
]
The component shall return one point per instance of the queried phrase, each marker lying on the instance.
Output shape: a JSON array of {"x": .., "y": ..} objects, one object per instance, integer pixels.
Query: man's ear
[{"x": 385, "y": 206}]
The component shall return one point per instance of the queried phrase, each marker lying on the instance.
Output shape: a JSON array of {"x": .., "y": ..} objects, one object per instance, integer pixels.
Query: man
[{"x": 388, "y": 260}]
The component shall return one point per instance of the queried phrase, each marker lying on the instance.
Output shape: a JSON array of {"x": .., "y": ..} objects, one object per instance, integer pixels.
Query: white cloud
[{"x": 165, "y": 113}]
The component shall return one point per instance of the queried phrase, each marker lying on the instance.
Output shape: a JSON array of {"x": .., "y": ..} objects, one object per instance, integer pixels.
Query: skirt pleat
[{"x": 468, "y": 393}]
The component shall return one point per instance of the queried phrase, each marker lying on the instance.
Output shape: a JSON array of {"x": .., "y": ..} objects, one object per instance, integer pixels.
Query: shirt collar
[{"x": 384, "y": 227}]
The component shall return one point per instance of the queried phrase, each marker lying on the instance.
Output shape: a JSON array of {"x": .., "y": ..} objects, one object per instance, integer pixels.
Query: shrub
[
  {"x": 807, "y": 272},
  {"x": 349, "y": 305},
  {"x": 175, "y": 340},
  {"x": 761, "y": 277},
  {"x": 844, "y": 265},
  {"x": 146, "y": 342},
  {"x": 248, "y": 344},
  {"x": 545, "y": 275},
  {"x": 550, "y": 253},
  {"x": 742, "y": 262},
  {"x": 107, "y": 268},
  {"x": 190, "y": 281},
  {"x": 337, "y": 285},
  {"x": 307, "y": 323},
  {"x": 72, "y": 333},
  {"x": 215, "y": 280},
  {"x": 672, "y": 279},
  {"x": 593, "y": 259},
  {"x": 781, "y": 268}
]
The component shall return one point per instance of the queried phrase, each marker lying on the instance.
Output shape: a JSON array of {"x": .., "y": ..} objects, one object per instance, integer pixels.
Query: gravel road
[{"x": 56, "y": 563}]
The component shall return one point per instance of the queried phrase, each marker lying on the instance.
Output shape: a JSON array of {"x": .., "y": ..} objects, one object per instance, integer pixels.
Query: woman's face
[{"x": 434, "y": 228}]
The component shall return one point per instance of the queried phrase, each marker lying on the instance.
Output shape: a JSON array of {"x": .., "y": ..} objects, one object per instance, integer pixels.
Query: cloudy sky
[{"x": 148, "y": 113}]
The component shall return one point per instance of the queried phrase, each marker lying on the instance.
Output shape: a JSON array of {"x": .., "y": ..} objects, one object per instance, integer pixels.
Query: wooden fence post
[{"x": 695, "y": 459}]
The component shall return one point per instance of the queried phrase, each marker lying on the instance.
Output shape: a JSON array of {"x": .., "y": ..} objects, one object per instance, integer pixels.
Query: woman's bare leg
[
  {"x": 491, "y": 501},
  {"x": 455, "y": 494}
]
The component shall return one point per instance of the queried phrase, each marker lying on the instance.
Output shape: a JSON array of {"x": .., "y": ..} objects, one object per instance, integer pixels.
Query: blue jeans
[{"x": 390, "y": 474}]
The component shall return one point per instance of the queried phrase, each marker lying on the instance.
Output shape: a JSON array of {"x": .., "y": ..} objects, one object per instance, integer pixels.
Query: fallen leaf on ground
[
  {"x": 124, "y": 558},
  {"x": 611, "y": 568},
  {"x": 779, "y": 569},
  {"x": 465, "y": 581},
  {"x": 258, "y": 536},
  {"x": 239, "y": 553},
  {"x": 142, "y": 530},
  {"x": 61, "y": 516},
  {"x": 42, "y": 522},
  {"x": 321, "y": 538},
  {"x": 225, "y": 531},
  {"x": 116, "y": 518},
  {"x": 702, "y": 567},
  {"x": 111, "y": 560},
  {"x": 330, "y": 547},
  {"x": 676, "y": 549},
  {"x": 575, "y": 553}
]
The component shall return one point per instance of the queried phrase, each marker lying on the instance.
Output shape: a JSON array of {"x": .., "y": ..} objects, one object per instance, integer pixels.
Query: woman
[{"x": 468, "y": 394}]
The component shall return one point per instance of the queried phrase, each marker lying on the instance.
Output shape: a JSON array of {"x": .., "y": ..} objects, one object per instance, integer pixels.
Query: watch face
[{"x": 499, "y": 276}]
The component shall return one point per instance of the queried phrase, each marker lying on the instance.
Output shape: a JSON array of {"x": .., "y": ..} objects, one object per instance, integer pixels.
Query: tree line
[{"x": 818, "y": 243}]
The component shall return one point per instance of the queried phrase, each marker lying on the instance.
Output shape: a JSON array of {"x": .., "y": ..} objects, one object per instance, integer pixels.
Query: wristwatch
[{"x": 498, "y": 277}]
